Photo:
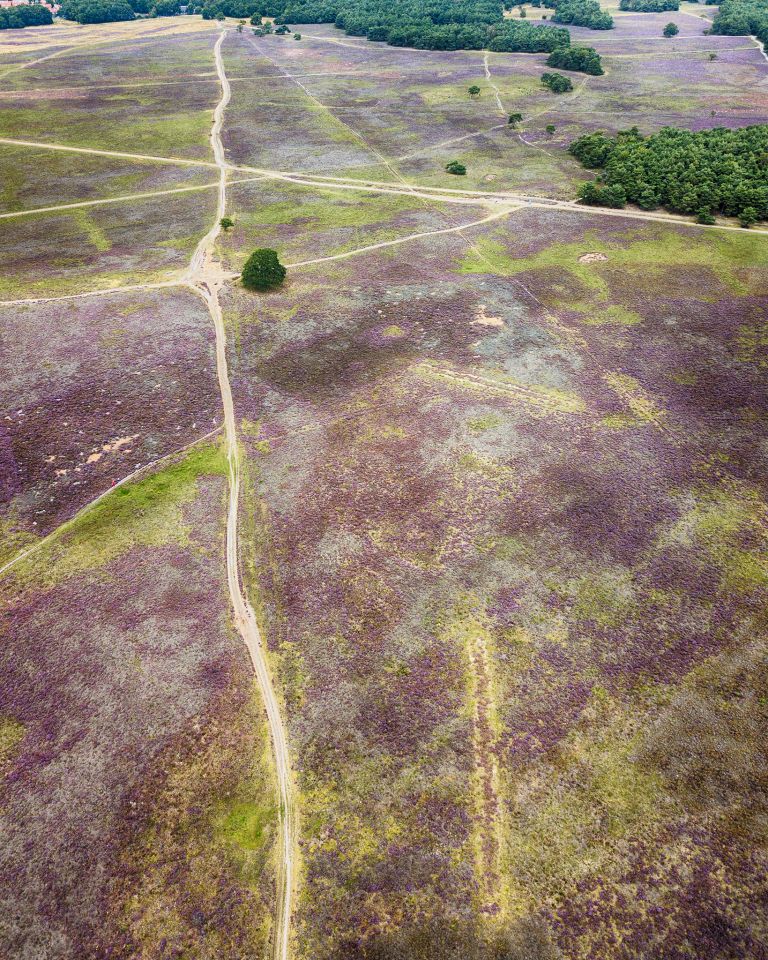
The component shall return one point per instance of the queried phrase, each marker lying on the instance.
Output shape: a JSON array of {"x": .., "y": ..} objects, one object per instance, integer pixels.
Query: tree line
[
  {"x": 112, "y": 11},
  {"x": 582, "y": 13},
  {"x": 29, "y": 15},
  {"x": 649, "y": 6},
  {"x": 704, "y": 173},
  {"x": 742, "y": 18}
]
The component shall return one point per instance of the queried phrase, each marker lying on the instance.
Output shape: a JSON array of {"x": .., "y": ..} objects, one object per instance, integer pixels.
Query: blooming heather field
[{"x": 415, "y": 610}]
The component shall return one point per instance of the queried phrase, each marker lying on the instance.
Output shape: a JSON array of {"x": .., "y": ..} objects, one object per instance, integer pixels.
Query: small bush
[
  {"x": 456, "y": 168},
  {"x": 556, "y": 82}
]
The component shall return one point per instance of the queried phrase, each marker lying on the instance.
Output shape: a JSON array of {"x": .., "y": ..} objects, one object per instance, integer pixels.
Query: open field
[{"x": 415, "y": 609}]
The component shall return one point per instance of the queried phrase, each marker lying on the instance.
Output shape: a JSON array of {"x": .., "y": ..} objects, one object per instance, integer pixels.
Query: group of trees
[
  {"x": 649, "y": 6},
  {"x": 29, "y": 15},
  {"x": 422, "y": 24},
  {"x": 110, "y": 11},
  {"x": 737, "y": 18},
  {"x": 96, "y": 11},
  {"x": 556, "y": 82},
  {"x": 582, "y": 13},
  {"x": 704, "y": 173},
  {"x": 578, "y": 59}
]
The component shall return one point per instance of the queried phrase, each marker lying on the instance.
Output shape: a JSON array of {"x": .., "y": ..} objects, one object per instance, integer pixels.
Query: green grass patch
[
  {"x": 11, "y": 735},
  {"x": 148, "y": 512}
]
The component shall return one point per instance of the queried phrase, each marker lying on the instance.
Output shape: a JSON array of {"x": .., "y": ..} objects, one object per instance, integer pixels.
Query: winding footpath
[{"x": 205, "y": 278}]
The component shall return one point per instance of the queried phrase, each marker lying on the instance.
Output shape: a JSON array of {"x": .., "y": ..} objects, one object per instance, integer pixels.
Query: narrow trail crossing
[{"x": 198, "y": 278}]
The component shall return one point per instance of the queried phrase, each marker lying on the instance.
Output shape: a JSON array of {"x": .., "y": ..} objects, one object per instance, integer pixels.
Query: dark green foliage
[
  {"x": 226, "y": 223},
  {"x": 422, "y": 24},
  {"x": 592, "y": 150},
  {"x": 579, "y": 59},
  {"x": 237, "y": 9},
  {"x": 514, "y": 119},
  {"x": 29, "y": 15},
  {"x": 715, "y": 171},
  {"x": 649, "y": 6},
  {"x": 456, "y": 168},
  {"x": 671, "y": 30},
  {"x": 96, "y": 11},
  {"x": 598, "y": 195},
  {"x": 583, "y": 13},
  {"x": 550, "y": 128},
  {"x": 166, "y": 8},
  {"x": 742, "y": 18},
  {"x": 748, "y": 216},
  {"x": 556, "y": 82},
  {"x": 474, "y": 91},
  {"x": 511, "y": 37},
  {"x": 282, "y": 29},
  {"x": 704, "y": 216},
  {"x": 262, "y": 271}
]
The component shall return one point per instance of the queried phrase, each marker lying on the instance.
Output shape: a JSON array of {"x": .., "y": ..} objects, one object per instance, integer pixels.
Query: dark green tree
[
  {"x": 474, "y": 91},
  {"x": 458, "y": 169},
  {"x": 262, "y": 270},
  {"x": 556, "y": 82},
  {"x": 671, "y": 30}
]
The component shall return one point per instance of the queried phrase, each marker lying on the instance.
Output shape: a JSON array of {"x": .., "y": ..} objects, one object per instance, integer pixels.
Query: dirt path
[
  {"x": 128, "y": 196},
  {"x": 245, "y": 619},
  {"x": 443, "y": 194},
  {"x": 413, "y": 236},
  {"x": 496, "y": 91}
]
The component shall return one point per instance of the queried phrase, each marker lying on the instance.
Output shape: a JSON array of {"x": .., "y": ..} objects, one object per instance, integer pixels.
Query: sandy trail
[
  {"x": 444, "y": 194},
  {"x": 496, "y": 91},
  {"x": 413, "y": 236},
  {"x": 150, "y": 194},
  {"x": 245, "y": 618}
]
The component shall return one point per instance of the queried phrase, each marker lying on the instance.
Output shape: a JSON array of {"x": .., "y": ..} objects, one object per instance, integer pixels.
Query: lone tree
[
  {"x": 456, "y": 168},
  {"x": 474, "y": 91},
  {"x": 514, "y": 119},
  {"x": 226, "y": 223},
  {"x": 262, "y": 271},
  {"x": 671, "y": 30},
  {"x": 551, "y": 128}
]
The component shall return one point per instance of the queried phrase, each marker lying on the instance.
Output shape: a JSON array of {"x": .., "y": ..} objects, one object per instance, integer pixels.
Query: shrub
[
  {"x": 262, "y": 270},
  {"x": 456, "y": 168},
  {"x": 556, "y": 82},
  {"x": 579, "y": 59},
  {"x": 671, "y": 30}
]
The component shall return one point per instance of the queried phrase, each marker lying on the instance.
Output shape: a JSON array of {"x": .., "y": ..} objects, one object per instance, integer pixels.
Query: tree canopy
[
  {"x": 556, "y": 82},
  {"x": 737, "y": 18},
  {"x": 422, "y": 24},
  {"x": 29, "y": 15},
  {"x": 649, "y": 6},
  {"x": 262, "y": 270},
  {"x": 710, "y": 171},
  {"x": 671, "y": 30},
  {"x": 96, "y": 11},
  {"x": 578, "y": 59},
  {"x": 582, "y": 13}
]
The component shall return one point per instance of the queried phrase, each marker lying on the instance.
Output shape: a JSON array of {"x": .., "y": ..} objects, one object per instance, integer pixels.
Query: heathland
[{"x": 413, "y": 609}]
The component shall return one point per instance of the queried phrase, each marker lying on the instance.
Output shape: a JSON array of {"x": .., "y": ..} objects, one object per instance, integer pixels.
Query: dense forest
[
  {"x": 712, "y": 171},
  {"x": 649, "y": 6},
  {"x": 29, "y": 15},
  {"x": 737, "y": 18},
  {"x": 423, "y": 24},
  {"x": 96, "y": 11},
  {"x": 582, "y": 13}
]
